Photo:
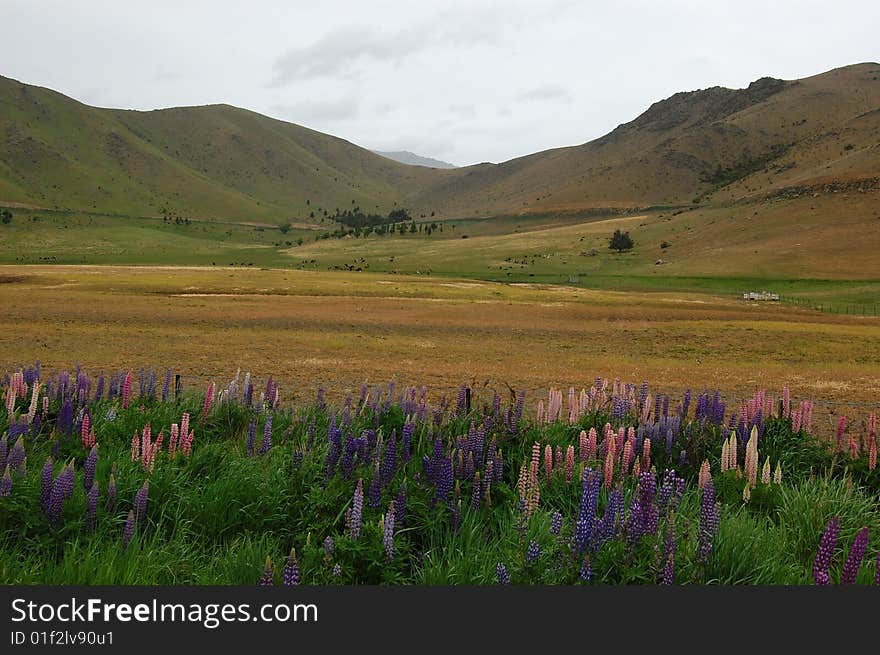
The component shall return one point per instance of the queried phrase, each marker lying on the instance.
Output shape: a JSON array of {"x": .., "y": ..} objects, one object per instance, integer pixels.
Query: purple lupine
[
  {"x": 166, "y": 386},
  {"x": 389, "y": 460},
  {"x": 291, "y": 570},
  {"x": 16, "y": 460},
  {"x": 877, "y": 576},
  {"x": 111, "y": 494},
  {"x": 444, "y": 481},
  {"x": 329, "y": 546},
  {"x": 822, "y": 562},
  {"x": 89, "y": 468},
  {"x": 4, "y": 451},
  {"x": 46, "y": 484},
  {"x": 92, "y": 507},
  {"x": 476, "y": 492},
  {"x": 374, "y": 492},
  {"x": 267, "y": 579},
  {"x": 140, "y": 503},
  {"x": 502, "y": 574},
  {"x": 267, "y": 435},
  {"x": 388, "y": 532},
  {"x": 556, "y": 524},
  {"x": 65, "y": 417},
  {"x": 62, "y": 489},
  {"x": 709, "y": 511},
  {"x": 251, "y": 436},
  {"x": 668, "y": 575},
  {"x": 356, "y": 511},
  {"x": 533, "y": 553},
  {"x": 337, "y": 570},
  {"x": 854, "y": 561},
  {"x": 584, "y": 528},
  {"x": 586, "y": 572},
  {"x": 454, "y": 515},
  {"x": 400, "y": 506},
  {"x": 6, "y": 483},
  {"x": 128, "y": 529},
  {"x": 406, "y": 451}
]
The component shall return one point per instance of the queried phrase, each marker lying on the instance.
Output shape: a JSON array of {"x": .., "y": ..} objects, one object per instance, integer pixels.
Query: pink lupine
[
  {"x": 872, "y": 453},
  {"x": 136, "y": 447},
  {"x": 626, "y": 457},
  {"x": 853, "y": 447},
  {"x": 126, "y": 390},
  {"x": 172, "y": 443},
  {"x": 573, "y": 407},
  {"x": 548, "y": 460},
  {"x": 582, "y": 446},
  {"x": 592, "y": 443},
  {"x": 569, "y": 464},
  {"x": 84, "y": 431},
  {"x": 841, "y": 428},
  {"x": 187, "y": 443},
  {"x": 540, "y": 415},
  {"x": 646, "y": 455},
  {"x": 184, "y": 425},
  {"x": 796, "y": 419},
  {"x": 609, "y": 466}
]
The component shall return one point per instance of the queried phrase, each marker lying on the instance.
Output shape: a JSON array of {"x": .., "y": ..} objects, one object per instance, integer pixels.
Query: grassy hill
[{"x": 712, "y": 146}]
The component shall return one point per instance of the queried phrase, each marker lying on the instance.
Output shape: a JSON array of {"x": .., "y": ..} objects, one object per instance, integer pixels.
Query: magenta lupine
[
  {"x": 46, "y": 479},
  {"x": 126, "y": 390},
  {"x": 89, "y": 468},
  {"x": 841, "y": 428},
  {"x": 140, "y": 503},
  {"x": 128, "y": 529},
  {"x": 209, "y": 398},
  {"x": 291, "y": 570},
  {"x": 822, "y": 563},
  {"x": 856, "y": 554},
  {"x": 6, "y": 483},
  {"x": 92, "y": 507},
  {"x": 388, "y": 532}
]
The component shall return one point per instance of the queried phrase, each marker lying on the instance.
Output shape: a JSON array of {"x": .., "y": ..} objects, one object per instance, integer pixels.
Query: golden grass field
[{"x": 344, "y": 329}]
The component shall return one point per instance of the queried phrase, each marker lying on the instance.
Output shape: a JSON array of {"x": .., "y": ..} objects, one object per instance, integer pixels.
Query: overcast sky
[{"x": 464, "y": 81}]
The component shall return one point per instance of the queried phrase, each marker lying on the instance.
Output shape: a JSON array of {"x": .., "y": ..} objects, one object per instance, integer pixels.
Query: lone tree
[
  {"x": 6, "y": 216},
  {"x": 621, "y": 241}
]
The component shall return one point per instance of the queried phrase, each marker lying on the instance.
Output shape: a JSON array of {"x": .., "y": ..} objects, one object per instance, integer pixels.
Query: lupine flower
[
  {"x": 533, "y": 553},
  {"x": 668, "y": 576},
  {"x": 111, "y": 494},
  {"x": 854, "y": 561},
  {"x": 709, "y": 515},
  {"x": 17, "y": 457},
  {"x": 128, "y": 529},
  {"x": 556, "y": 523},
  {"x": 841, "y": 428},
  {"x": 822, "y": 562},
  {"x": 135, "y": 447},
  {"x": 92, "y": 507},
  {"x": 502, "y": 574},
  {"x": 328, "y": 548},
  {"x": 4, "y": 450},
  {"x": 62, "y": 489},
  {"x": 291, "y": 570},
  {"x": 872, "y": 452},
  {"x": 89, "y": 468},
  {"x": 586, "y": 572},
  {"x": 267, "y": 436},
  {"x": 337, "y": 570},
  {"x": 476, "y": 492},
  {"x": 6, "y": 483},
  {"x": 46, "y": 484},
  {"x": 356, "y": 511},
  {"x": 765, "y": 473},
  {"x": 140, "y": 503},
  {"x": 388, "y": 532},
  {"x": 267, "y": 579},
  {"x": 209, "y": 398},
  {"x": 375, "y": 489},
  {"x": 569, "y": 464}
]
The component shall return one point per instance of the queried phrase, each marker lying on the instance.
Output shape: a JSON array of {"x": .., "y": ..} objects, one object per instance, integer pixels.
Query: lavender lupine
[
  {"x": 556, "y": 524},
  {"x": 267, "y": 435},
  {"x": 89, "y": 468},
  {"x": 668, "y": 575},
  {"x": 388, "y": 532},
  {"x": 822, "y": 562},
  {"x": 16, "y": 460},
  {"x": 92, "y": 507},
  {"x": 128, "y": 529},
  {"x": 355, "y": 514},
  {"x": 337, "y": 570},
  {"x": 291, "y": 570},
  {"x": 140, "y": 503},
  {"x": 502, "y": 574},
  {"x": 329, "y": 546},
  {"x": 6, "y": 483},
  {"x": 854, "y": 561}
]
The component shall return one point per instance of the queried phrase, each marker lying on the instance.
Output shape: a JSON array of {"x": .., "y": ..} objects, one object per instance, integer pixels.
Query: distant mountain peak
[{"x": 407, "y": 157}]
